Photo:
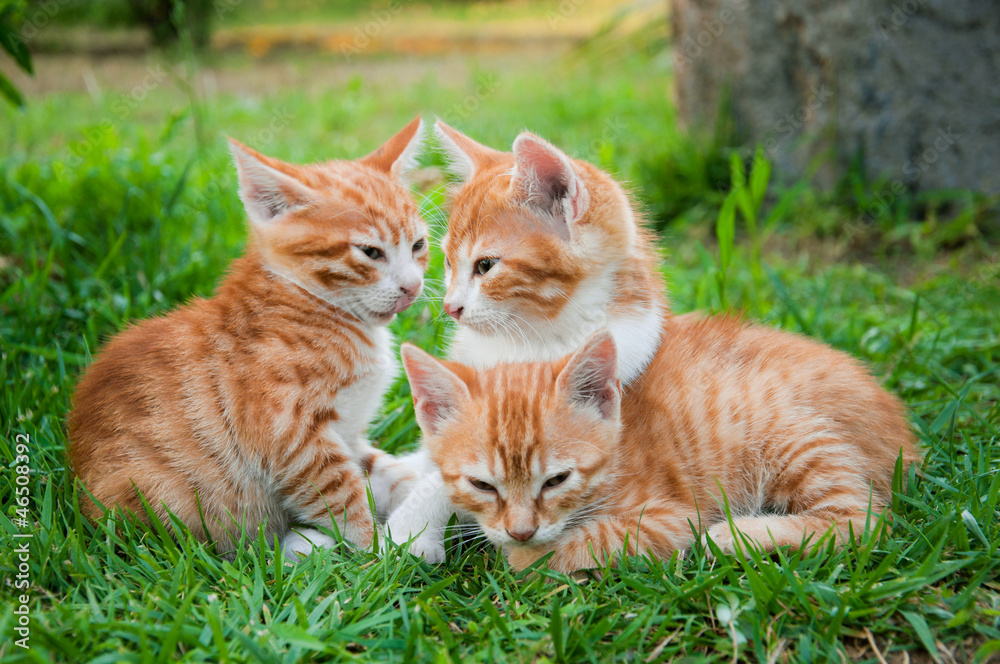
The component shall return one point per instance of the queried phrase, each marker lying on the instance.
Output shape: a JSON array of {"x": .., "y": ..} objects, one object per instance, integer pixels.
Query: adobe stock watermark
[
  {"x": 694, "y": 46},
  {"x": 788, "y": 125},
  {"x": 123, "y": 106},
  {"x": 898, "y": 17},
  {"x": 225, "y": 7},
  {"x": 40, "y": 15},
  {"x": 611, "y": 129},
  {"x": 379, "y": 19},
  {"x": 563, "y": 11},
  {"x": 486, "y": 86},
  {"x": 913, "y": 170},
  {"x": 22, "y": 550},
  {"x": 987, "y": 273},
  {"x": 224, "y": 184}
]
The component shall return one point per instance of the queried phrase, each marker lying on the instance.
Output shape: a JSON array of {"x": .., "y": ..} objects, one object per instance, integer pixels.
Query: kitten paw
[
  {"x": 430, "y": 549},
  {"x": 422, "y": 545},
  {"x": 301, "y": 542},
  {"x": 726, "y": 539}
]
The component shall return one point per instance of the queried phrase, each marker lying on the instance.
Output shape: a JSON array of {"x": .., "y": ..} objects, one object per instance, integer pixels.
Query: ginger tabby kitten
[
  {"x": 250, "y": 407},
  {"x": 544, "y": 250},
  {"x": 548, "y": 456}
]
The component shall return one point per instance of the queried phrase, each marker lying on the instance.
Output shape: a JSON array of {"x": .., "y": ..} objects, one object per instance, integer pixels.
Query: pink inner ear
[
  {"x": 436, "y": 390},
  {"x": 546, "y": 178},
  {"x": 547, "y": 165}
]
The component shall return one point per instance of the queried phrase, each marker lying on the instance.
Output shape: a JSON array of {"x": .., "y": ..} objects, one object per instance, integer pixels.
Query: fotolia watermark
[{"x": 22, "y": 551}]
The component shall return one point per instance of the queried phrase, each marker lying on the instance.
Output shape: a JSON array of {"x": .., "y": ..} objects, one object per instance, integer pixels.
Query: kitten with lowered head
[
  {"x": 250, "y": 407},
  {"x": 547, "y": 457}
]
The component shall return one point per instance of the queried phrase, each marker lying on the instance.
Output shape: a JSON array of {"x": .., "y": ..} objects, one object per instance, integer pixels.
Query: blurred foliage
[
  {"x": 167, "y": 21},
  {"x": 11, "y": 40}
]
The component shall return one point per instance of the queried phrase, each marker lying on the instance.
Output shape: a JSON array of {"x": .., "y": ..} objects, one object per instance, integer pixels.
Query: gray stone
[{"x": 912, "y": 87}]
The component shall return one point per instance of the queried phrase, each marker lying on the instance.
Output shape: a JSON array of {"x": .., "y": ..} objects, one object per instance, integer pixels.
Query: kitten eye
[
  {"x": 482, "y": 486},
  {"x": 484, "y": 265},
  {"x": 556, "y": 480},
  {"x": 373, "y": 253},
  {"x": 447, "y": 264},
  {"x": 419, "y": 245}
]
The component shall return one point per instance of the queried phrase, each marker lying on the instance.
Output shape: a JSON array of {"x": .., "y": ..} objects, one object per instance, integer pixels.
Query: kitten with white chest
[{"x": 249, "y": 408}]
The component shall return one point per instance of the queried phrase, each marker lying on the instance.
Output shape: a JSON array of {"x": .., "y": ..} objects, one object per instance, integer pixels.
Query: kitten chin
[{"x": 248, "y": 409}]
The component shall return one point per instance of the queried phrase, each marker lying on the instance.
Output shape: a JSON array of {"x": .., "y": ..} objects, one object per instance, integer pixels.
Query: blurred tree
[
  {"x": 903, "y": 89},
  {"x": 11, "y": 18},
  {"x": 167, "y": 20}
]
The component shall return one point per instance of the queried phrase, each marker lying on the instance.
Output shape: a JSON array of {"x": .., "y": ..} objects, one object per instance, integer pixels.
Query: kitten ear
[
  {"x": 267, "y": 188},
  {"x": 465, "y": 156},
  {"x": 590, "y": 377},
  {"x": 437, "y": 392},
  {"x": 545, "y": 177},
  {"x": 398, "y": 156}
]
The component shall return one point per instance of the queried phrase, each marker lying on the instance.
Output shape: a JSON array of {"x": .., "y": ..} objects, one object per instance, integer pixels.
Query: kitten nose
[
  {"x": 522, "y": 535},
  {"x": 410, "y": 289},
  {"x": 456, "y": 313}
]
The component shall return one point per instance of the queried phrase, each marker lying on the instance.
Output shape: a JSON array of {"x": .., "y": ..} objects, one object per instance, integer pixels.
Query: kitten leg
[
  {"x": 820, "y": 502},
  {"x": 331, "y": 486},
  {"x": 391, "y": 478},
  {"x": 657, "y": 529},
  {"x": 423, "y": 517}
]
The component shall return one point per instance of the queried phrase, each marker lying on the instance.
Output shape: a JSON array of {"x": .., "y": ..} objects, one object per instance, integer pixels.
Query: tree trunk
[{"x": 907, "y": 89}]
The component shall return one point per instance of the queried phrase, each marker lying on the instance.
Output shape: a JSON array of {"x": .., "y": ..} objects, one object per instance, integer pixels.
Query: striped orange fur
[
  {"x": 249, "y": 408},
  {"x": 548, "y": 456},
  {"x": 797, "y": 435}
]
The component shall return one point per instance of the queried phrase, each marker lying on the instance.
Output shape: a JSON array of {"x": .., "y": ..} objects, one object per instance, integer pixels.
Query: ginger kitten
[
  {"x": 250, "y": 407},
  {"x": 548, "y": 456},
  {"x": 542, "y": 251}
]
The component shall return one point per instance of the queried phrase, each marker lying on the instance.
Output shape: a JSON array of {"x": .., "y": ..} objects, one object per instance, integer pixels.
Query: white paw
[
  {"x": 301, "y": 542},
  {"x": 423, "y": 545},
  {"x": 429, "y": 548}
]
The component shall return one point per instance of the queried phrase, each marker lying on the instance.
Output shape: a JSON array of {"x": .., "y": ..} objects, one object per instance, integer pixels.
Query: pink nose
[
  {"x": 410, "y": 289},
  {"x": 453, "y": 311},
  {"x": 522, "y": 535}
]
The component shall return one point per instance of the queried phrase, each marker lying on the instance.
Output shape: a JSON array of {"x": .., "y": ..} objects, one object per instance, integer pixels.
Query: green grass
[{"x": 103, "y": 223}]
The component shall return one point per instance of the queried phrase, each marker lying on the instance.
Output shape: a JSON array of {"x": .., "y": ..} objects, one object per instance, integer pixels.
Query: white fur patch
[
  {"x": 301, "y": 542},
  {"x": 409, "y": 158},
  {"x": 459, "y": 163}
]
